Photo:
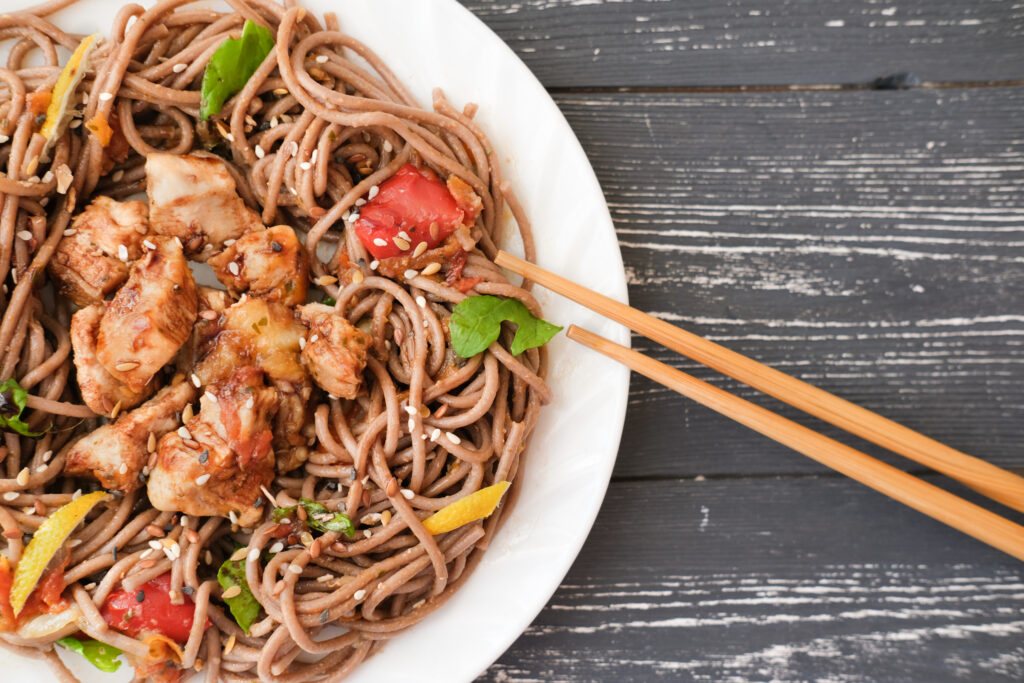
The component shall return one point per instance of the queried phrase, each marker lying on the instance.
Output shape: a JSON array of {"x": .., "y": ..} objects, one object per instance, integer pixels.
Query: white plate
[{"x": 569, "y": 461}]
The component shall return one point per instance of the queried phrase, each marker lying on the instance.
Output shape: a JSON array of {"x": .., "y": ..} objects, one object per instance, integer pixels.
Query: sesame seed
[
  {"x": 140, "y": 596},
  {"x": 4, "y": 138},
  {"x": 106, "y": 96},
  {"x": 400, "y": 243},
  {"x": 277, "y": 547},
  {"x": 195, "y": 381},
  {"x": 117, "y": 176},
  {"x": 357, "y": 277},
  {"x": 122, "y": 252},
  {"x": 454, "y": 439},
  {"x": 250, "y": 403},
  {"x": 254, "y": 555},
  {"x": 314, "y": 338},
  {"x": 41, "y": 468},
  {"x": 233, "y": 516},
  {"x": 24, "y": 235},
  {"x": 295, "y": 569},
  {"x": 410, "y": 274},
  {"x": 305, "y": 165},
  {"x": 69, "y": 232},
  {"x": 388, "y": 146},
  {"x": 10, "y": 495},
  {"x": 360, "y": 202},
  {"x": 233, "y": 268},
  {"x": 230, "y": 644},
  {"x": 321, "y": 59},
  {"x": 353, "y": 217},
  {"x": 202, "y": 479},
  {"x": 90, "y": 586},
  {"x": 203, "y": 457},
  {"x": 420, "y": 248},
  {"x": 126, "y": 366},
  {"x": 156, "y": 545},
  {"x": 435, "y": 434},
  {"x": 151, "y": 443},
  {"x": 302, "y": 343},
  {"x": 232, "y": 592},
  {"x": 123, "y": 469},
  {"x": 178, "y": 68},
  {"x": 421, "y": 301},
  {"x": 359, "y": 594},
  {"x": 77, "y": 494},
  {"x": 412, "y": 424},
  {"x": 380, "y": 243},
  {"x": 23, "y": 477},
  {"x": 239, "y": 554},
  {"x": 228, "y": 243},
  {"x": 407, "y": 494},
  {"x": 411, "y": 410},
  {"x": 184, "y": 433},
  {"x": 312, "y": 157},
  {"x": 375, "y": 189},
  {"x": 186, "y": 413},
  {"x": 259, "y": 152},
  {"x": 367, "y": 533},
  {"x": 148, "y": 244}
]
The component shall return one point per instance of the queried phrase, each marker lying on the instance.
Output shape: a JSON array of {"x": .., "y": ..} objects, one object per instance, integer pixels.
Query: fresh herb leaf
[
  {"x": 476, "y": 323},
  {"x": 232, "y": 65},
  {"x": 8, "y": 418},
  {"x": 244, "y": 606},
  {"x": 329, "y": 301},
  {"x": 102, "y": 656},
  {"x": 318, "y": 517}
]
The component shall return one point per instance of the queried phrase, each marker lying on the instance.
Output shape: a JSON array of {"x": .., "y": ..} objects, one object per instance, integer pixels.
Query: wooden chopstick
[
  {"x": 982, "y": 476},
  {"x": 973, "y": 520}
]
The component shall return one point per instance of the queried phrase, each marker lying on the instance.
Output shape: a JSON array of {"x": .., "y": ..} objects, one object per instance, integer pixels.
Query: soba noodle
[{"x": 322, "y": 121}]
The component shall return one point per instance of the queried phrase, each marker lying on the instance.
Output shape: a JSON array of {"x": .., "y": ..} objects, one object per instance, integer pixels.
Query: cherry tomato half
[{"x": 150, "y": 609}]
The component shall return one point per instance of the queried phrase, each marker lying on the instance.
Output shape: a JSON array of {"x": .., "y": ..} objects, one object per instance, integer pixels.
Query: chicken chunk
[
  {"x": 335, "y": 353},
  {"x": 192, "y": 197},
  {"x": 267, "y": 335},
  {"x": 92, "y": 260},
  {"x": 220, "y": 465},
  {"x": 212, "y": 304},
  {"x": 150, "y": 317},
  {"x": 116, "y": 453},
  {"x": 100, "y": 390},
  {"x": 270, "y": 264}
]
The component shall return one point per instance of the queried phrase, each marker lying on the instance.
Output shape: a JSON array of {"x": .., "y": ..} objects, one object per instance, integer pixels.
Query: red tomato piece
[
  {"x": 155, "y": 612},
  {"x": 7, "y": 621},
  {"x": 408, "y": 202}
]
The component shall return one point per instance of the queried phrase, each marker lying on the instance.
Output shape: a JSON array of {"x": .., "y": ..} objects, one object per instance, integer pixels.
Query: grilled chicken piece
[
  {"x": 220, "y": 466},
  {"x": 92, "y": 261},
  {"x": 267, "y": 334},
  {"x": 116, "y": 453},
  {"x": 150, "y": 317},
  {"x": 335, "y": 353},
  {"x": 270, "y": 264},
  {"x": 100, "y": 390},
  {"x": 192, "y": 197},
  {"x": 212, "y": 304}
]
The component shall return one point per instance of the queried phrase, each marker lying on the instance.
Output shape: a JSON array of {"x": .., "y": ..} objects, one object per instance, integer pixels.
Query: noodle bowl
[{"x": 319, "y": 125}]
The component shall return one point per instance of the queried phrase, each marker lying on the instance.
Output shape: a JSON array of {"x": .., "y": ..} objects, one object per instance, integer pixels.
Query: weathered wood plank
[
  {"x": 869, "y": 242},
  {"x": 588, "y": 43},
  {"x": 813, "y": 578}
]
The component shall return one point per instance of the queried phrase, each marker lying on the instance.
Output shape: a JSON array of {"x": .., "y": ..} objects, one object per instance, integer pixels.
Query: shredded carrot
[{"x": 100, "y": 127}]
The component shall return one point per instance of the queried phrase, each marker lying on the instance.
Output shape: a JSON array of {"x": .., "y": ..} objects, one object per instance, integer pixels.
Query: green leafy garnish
[
  {"x": 329, "y": 301},
  {"x": 102, "y": 656},
  {"x": 244, "y": 606},
  {"x": 232, "y": 65},
  {"x": 318, "y": 517},
  {"x": 8, "y": 418},
  {"x": 476, "y": 323}
]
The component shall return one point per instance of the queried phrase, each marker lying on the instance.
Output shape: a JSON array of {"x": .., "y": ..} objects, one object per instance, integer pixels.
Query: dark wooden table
[{"x": 772, "y": 191}]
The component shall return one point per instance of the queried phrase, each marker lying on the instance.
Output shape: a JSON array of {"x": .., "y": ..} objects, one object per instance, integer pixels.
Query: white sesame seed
[
  {"x": 388, "y": 146},
  {"x": 375, "y": 263},
  {"x": 184, "y": 433},
  {"x": 48, "y": 176},
  {"x": 24, "y": 235},
  {"x": 314, "y": 338},
  {"x": 380, "y": 243},
  {"x": 404, "y": 235},
  {"x": 412, "y": 423},
  {"x": 106, "y": 96},
  {"x": 23, "y": 477},
  {"x": 122, "y": 252},
  {"x": 277, "y": 547},
  {"x": 367, "y": 533},
  {"x": 156, "y": 545},
  {"x": 324, "y": 578},
  {"x": 233, "y": 268},
  {"x": 407, "y": 494},
  {"x": 302, "y": 343},
  {"x": 411, "y": 410},
  {"x": 202, "y": 479},
  {"x": 228, "y": 243},
  {"x": 229, "y": 137},
  {"x": 359, "y": 594},
  {"x": 374, "y": 190},
  {"x": 360, "y": 202},
  {"x": 410, "y": 274},
  {"x": 305, "y": 165},
  {"x": 259, "y": 152},
  {"x": 293, "y": 148},
  {"x": 254, "y": 555},
  {"x": 321, "y": 59},
  {"x": 435, "y": 434},
  {"x": 421, "y": 301},
  {"x": 148, "y": 244},
  {"x": 454, "y": 439},
  {"x": 353, "y": 217},
  {"x": 295, "y": 569},
  {"x": 312, "y": 157},
  {"x": 123, "y": 469},
  {"x": 69, "y": 232},
  {"x": 250, "y": 403},
  {"x": 146, "y": 553},
  {"x": 231, "y": 592},
  {"x": 195, "y": 381},
  {"x": 233, "y": 516},
  {"x": 77, "y": 494},
  {"x": 178, "y": 68},
  {"x": 41, "y": 468},
  {"x": 4, "y": 138},
  {"x": 10, "y": 495}
]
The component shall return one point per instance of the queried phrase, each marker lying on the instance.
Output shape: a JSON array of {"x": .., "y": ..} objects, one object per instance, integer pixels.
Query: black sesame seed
[
  {"x": 361, "y": 261},
  {"x": 203, "y": 457},
  {"x": 324, "y": 616},
  {"x": 113, "y": 551},
  {"x": 355, "y": 474},
  {"x": 258, "y": 503},
  {"x": 188, "y": 590},
  {"x": 276, "y": 246},
  {"x": 140, "y": 596}
]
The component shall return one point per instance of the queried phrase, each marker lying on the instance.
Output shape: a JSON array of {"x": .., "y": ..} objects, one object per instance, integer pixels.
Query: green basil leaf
[
  {"x": 102, "y": 656},
  {"x": 476, "y": 323},
  {"x": 337, "y": 521},
  {"x": 244, "y": 606},
  {"x": 19, "y": 397},
  {"x": 231, "y": 67}
]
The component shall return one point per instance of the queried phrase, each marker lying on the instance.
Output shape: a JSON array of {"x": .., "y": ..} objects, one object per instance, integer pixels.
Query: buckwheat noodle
[{"x": 321, "y": 122}]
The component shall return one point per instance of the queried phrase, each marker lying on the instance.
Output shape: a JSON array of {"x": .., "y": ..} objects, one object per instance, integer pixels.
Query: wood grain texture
[
  {"x": 783, "y": 579},
  {"x": 868, "y": 242},
  {"x": 611, "y": 43}
]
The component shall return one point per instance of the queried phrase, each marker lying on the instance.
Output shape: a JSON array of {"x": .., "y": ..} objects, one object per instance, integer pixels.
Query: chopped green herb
[
  {"x": 318, "y": 517},
  {"x": 102, "y": 656},
  {"x": 329, "y": 301},
  {"x": 232, "y": 65},
  {"x": 476, "y": 323},
  {"x": 9, "y": 419},
  {"x": 244, "y": 606}
]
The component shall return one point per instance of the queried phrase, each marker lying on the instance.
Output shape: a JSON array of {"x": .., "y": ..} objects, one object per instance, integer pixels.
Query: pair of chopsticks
[{"x": 994, "y": 482}]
